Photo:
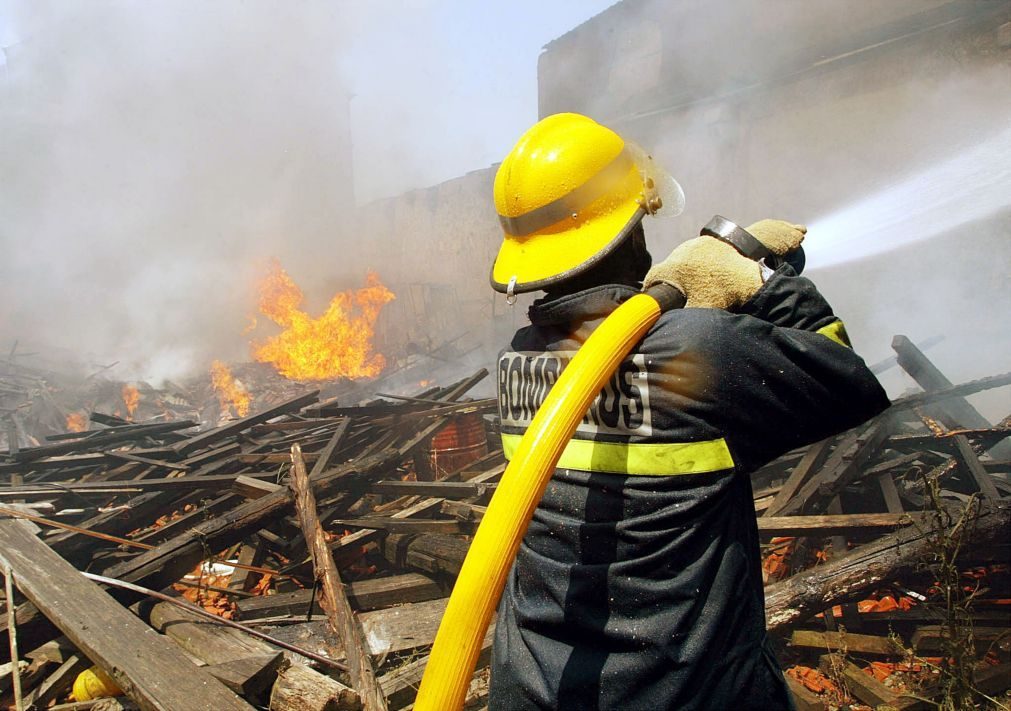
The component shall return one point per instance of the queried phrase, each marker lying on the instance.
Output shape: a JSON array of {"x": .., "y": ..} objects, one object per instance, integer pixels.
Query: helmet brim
[{"x": 540, "y": 261}]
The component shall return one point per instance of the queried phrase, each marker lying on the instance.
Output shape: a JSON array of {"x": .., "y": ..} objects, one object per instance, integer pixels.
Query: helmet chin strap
[{"x": 511, "y": 291}]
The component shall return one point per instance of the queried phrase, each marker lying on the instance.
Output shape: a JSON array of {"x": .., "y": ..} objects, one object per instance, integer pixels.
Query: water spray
[{"x": 967, "y": 187}]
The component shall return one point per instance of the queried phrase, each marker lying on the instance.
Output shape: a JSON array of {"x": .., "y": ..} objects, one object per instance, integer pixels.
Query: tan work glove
[
  {"x": 779, "y": 236},
  {"x": 712, "y": 274}
]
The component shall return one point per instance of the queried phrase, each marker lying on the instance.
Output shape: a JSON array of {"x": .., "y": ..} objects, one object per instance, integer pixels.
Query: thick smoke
[{"x": 153, "y": 156}]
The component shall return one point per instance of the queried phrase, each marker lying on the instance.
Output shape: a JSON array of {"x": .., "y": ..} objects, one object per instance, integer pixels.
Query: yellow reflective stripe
[
  {"x": 638, "y": 459},
  {"x": 837, "y": 332}
]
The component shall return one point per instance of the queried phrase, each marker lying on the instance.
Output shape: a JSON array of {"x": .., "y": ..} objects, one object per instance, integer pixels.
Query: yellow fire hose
[{"x": 483, "y": 575}]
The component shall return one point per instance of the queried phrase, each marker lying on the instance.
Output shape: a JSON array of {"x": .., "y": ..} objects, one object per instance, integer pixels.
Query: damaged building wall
[
  {"x": 790, "y": 111},
  {"x": 445, "y": 238},
  {"x": 758, "y": 107}
]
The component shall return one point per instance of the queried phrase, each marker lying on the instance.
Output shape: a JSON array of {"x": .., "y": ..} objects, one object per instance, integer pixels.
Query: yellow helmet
[{"x": 567, "y": 194}]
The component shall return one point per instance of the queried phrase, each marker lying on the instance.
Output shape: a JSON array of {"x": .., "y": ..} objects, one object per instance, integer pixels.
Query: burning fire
[
  {"x": 131, "y": 396},
  {"x": 76, "y": 422},
  {"x": 230, "y": 391},
  {"x": 337, "y": 344}
]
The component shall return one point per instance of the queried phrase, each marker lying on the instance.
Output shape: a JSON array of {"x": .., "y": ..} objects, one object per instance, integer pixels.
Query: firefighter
[{"x": 638, "y": 584}]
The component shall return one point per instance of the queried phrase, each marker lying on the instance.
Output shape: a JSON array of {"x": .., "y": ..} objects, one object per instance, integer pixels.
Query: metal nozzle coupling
[{"x": 744, "y": 242}]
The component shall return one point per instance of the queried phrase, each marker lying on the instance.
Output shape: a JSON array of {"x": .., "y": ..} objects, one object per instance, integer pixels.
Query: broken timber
[
  {"x": 334, "y": 600},
  {"x": 157, "y": 676}
]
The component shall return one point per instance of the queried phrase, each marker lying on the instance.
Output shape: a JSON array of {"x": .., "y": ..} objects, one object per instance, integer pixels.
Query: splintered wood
[{"x": 332, "y": 535}]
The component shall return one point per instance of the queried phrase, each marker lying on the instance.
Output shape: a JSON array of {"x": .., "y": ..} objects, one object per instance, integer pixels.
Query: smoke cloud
[{"x": 153, "y": 156}]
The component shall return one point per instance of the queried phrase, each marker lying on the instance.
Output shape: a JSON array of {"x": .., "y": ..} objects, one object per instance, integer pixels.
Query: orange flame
[
  {"x": 230, "y": 391},
  {"x": 337, "y": 344},
  {"x": 76, "y": 422},
  {"x": 131, "y": 396}
]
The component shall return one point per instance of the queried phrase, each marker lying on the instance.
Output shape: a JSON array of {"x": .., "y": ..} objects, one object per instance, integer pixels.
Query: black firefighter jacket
[{"x": 638, "y": 584}]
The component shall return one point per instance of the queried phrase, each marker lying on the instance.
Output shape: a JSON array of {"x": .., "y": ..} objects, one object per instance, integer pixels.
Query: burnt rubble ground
[{"x": 885, "y": 548}]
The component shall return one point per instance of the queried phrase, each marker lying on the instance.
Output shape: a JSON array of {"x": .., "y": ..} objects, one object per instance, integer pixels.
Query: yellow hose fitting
[{"x": 482, "y": 577}]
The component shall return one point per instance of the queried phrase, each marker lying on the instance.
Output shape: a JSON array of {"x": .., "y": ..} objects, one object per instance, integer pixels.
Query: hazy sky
[{"x": 448, "y": 82}]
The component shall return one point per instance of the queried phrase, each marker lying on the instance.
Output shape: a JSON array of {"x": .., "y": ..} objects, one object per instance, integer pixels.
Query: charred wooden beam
[
  {"x": 363, "y": 595},
  {"x": 206, "y": 439},
  {"x": 334, "y": 600},
  {"x": 789, "y": 602},
  {"x": 156, "y": 676},
  {"x": 813, "y": 458}
]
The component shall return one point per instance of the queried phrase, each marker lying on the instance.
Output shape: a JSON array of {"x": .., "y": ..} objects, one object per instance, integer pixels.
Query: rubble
[{"x": 340, "y": 589}]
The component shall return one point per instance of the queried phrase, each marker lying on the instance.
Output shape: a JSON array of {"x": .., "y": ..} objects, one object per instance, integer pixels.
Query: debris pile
[{"x": 301, "y": 557}]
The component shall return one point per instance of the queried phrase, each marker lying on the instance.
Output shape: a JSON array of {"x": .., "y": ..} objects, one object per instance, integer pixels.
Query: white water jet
[{"x": 970, "y": 186}]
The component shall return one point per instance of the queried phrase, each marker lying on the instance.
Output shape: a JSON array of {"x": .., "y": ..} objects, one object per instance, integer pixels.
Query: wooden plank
[
  {"x": 205, "y": 439},
  {"x": 175, "y": 484},
  {"x": 813, "y": 458},
  {"x": 957, "y": 410},
  {"x": 866, "y": 688},
  {"x": 128, "y": 457},
  {"x": 442, "y": 489},
  {"x": 983, "y": 480},
  {"x": 15, "y": 660},
  {"x": 155, "y": 675},
  {"x": 7, "y": 674},
  {"x": 330, "y": 450},
  {"x": 272, "y": 458},
  {"x": 431, "y": 553},
  {"x": 964, "y": 389},
  {"x": 791, "y": 601},
  {"x": 101, "y": 440},
  {"x": 404, "y": 627},
  {"x": 993, "y": 680},
  {"x": 250, "y": 554},
  {"x": 249, "y": 677},
  {"x": 387, "y": 631},
  {"x": 928, "y": 638},
  {"x": 334, "y": 600},
  {"x": 463, "y": 510},
  {"x": 803, "y": 698},
  {"x": 850, "y": 641},
  {"x": 172, "y": 559},
  {"x": 68, "y": 462},
  {"x": 58, "y": 650},
  {"x": 215, "y": 644},
  {"x": 208, "y": 642},
  {"x": 399, "y": 525},
  {"x": 213, "y": 508},
  {"x": 369, "y": 594},
  {"x": 890, "y": 493},
  {"x": 842, "y": 466},
  {"x": 986, "y": 437},
  {"x": 59, "y": 682},
  {"x": 252, "y": 488},
  {"x": 298, "y": 690}
]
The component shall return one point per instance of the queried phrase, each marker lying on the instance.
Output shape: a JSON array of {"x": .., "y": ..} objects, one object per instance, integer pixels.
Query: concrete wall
[
  {"x": 784, "y": 107},
  {"x": 798, "y": 109},
  {"x": 434, "y": 247}
]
